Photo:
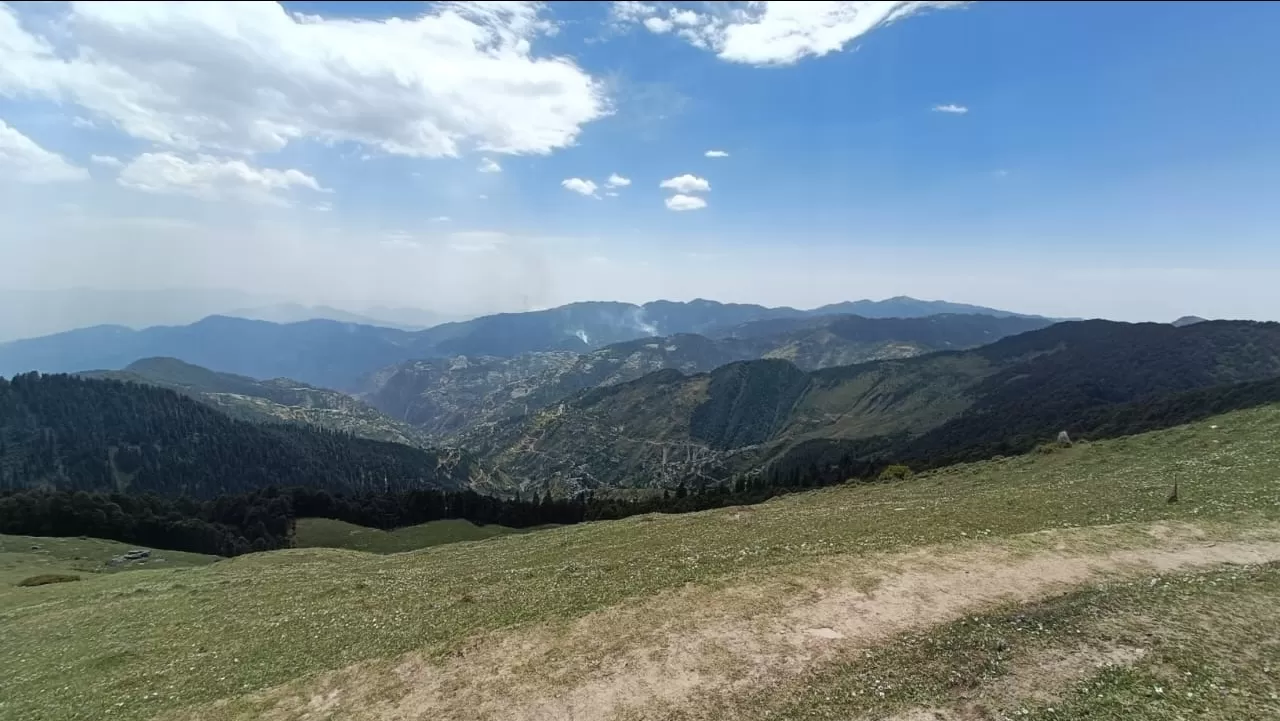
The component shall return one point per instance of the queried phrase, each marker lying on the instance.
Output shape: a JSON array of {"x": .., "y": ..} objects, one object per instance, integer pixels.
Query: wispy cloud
[
  {"x": 617, "y": 181},
  {"x": 950, "y": 108},
  {"x": 489, "y": 165},
  {"x": 716, "y": 154},
  {"x": 21, "y": 158},
  {"x": 110, "y": 161}
]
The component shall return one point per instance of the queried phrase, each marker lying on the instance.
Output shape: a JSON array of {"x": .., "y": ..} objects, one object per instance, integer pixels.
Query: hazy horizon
[{"x": 1034, "y": 158}]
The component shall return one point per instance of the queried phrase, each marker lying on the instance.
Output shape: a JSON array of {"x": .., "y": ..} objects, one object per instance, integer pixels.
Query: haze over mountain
[
  {"x": 35, "y": 313},
  {"x": 337, "y": 355}
]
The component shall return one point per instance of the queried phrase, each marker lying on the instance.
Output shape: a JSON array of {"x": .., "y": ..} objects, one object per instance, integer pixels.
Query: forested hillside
[
  {"x": 270, "y": 401},
  {"x": 73, "y": 433},
  {"x": 766, "y": 416},
  {"x": 447, "y": 397}
]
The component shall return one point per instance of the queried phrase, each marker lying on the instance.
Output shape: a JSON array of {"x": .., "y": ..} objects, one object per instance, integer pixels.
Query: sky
[{"x": 1114, "y": 160}]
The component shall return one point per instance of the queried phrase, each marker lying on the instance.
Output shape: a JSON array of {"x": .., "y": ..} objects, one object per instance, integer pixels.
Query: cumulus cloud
[
  {"x": 685, "y": 17},
  {"x": 110, "y": 161},
  {"x": 617, "y": 181},
  {"x": 950, "y": 108},
  {"x": 685, "y": 202},
  {"x": 658, "y": 25},
  {"x": 489, "y": 165},
  {"x": 780, "y": 33},
  {"x": 210, "y": 178},
  {"x": 686, "y": 184},
  {"x": 23, "y": 160},
  {"x": 580, "y": 186},
  {"x": 716, "y": 154},
  {"x": 252, "y": 77}
]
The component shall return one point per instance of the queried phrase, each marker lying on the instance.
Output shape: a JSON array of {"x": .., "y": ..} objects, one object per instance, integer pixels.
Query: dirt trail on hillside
[{"x": 641, "y": 660}]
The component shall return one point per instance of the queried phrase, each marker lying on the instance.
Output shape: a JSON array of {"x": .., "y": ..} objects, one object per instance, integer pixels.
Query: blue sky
[{"x": 1115, "y": 160}]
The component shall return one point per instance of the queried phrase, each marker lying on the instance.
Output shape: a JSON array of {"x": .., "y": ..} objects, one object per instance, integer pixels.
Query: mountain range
[
  {"x": 338, "y": 355},
  {"x": 770, "y": 416},
  {"x": 449, "y": 396}
]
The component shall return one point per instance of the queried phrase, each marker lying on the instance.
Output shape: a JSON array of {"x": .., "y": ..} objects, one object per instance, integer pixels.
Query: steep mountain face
[
  {"x": 336, "y": 354},
  {"x": 273, "y": 401},
  {"x": 445, "y": 397},
  {"x": 954, "y": 405},
  {"x": 76, "y": 433},
  {"x": 449, "y": 397}
]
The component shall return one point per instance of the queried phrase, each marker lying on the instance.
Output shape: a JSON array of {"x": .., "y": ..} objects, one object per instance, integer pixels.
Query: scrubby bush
[
  {"x": 894, "y": 473},
  {"x": 45, "y": 579}
]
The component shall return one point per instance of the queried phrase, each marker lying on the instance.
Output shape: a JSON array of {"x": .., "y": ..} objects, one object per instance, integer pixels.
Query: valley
[
  {"x": 532, "y": 610},
  {"x": 772, "y": 518}
]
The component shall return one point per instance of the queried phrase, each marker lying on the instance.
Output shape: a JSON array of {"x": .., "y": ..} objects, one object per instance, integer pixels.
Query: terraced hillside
[
  {"x": 1095, "y": 378},
  {"x": 449, "y": 397},
  {"x": 1053, "y": 585}
]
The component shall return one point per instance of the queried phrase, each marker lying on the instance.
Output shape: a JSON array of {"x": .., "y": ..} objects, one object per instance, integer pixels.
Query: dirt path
[{"x": 676, "y": 648}]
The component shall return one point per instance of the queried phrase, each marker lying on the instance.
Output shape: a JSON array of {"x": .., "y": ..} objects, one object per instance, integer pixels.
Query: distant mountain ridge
[
  {"x": 769, "y": 416},
  {"x": 336, "y": 354}
]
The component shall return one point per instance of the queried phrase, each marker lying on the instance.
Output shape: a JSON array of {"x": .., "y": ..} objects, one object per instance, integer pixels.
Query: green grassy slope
[
  {"x": 329, "y": 533},
  {"x": 134, "y": 644},
  {"x": 24, "y": 556}
]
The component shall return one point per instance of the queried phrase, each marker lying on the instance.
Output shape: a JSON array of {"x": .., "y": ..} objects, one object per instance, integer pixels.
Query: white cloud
[
  {"x": 716, "y": 154},
  {"x": 630, "y": 11},
  {"x": 110, "y": 161},
  {"x": 211, "y": 178},
  {"x": 686, "y": 184},
  {"x": 251, "y": 77},
  {"x": 685, "y": 17},
  {"x": 617, "y": 181},
  {"x": 950, "y": 108},
  {"x": 80, "y": 122},
  {"x": 685, "y": 202},
  {"x": 489, "y": 165},
  {"x": 440, "y": 219},
  {"x": 782, "y": 33},
  {"x": 580, "y": 186},
  {"x": 612, "y": 193},
  {"x": 23, "y": 160},
  {"x": 322, "y": 207},
  {"x": 658, "y": 25}
]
